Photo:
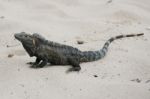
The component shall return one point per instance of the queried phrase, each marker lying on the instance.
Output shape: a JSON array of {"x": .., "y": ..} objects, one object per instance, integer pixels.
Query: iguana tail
[{"x": 95, "y": 55}]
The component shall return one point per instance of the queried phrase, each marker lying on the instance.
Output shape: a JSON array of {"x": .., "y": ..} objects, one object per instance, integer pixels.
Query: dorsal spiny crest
[{"x": 38, "y": 36}]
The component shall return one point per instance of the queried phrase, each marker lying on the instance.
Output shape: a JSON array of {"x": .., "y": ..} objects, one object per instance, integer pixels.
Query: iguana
[{"x": 47, "y": 51}]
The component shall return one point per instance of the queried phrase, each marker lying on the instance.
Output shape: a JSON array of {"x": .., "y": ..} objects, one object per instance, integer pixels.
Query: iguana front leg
[{"x": 42, "y": 64}]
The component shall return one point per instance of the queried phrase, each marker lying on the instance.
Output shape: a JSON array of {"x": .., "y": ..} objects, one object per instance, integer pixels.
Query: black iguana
[{"x": 47, "y": 51}]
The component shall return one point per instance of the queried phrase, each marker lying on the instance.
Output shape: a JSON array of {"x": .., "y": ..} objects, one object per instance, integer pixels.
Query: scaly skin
[{"x": 59, "y": 54}]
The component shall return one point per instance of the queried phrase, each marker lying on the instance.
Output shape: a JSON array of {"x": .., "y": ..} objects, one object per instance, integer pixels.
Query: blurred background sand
[{"x": 123, "y": 74}]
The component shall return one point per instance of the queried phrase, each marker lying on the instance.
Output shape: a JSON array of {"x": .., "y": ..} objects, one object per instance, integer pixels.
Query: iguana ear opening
[{"x": 35, "y": 42}]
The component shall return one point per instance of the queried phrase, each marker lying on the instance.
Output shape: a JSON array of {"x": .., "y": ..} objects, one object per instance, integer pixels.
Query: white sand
[{"x": 66, "y": 21}]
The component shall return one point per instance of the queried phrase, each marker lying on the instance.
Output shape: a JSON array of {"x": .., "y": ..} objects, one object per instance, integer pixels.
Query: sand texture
[{"x": 123, "y": 74}]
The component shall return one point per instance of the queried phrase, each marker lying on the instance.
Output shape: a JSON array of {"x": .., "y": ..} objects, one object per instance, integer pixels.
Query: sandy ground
[{"x": 123, "y": 74}]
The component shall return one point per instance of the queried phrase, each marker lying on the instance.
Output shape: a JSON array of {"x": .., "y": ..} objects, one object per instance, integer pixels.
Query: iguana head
[
  {"x": 25, "y": 38},
  {"x": 29, "y": 42}
]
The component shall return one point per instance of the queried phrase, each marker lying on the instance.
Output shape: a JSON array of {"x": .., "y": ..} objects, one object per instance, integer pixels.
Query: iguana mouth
[
  {"x": 17, "y": 36},
  {"x": 20, "y": 36}
]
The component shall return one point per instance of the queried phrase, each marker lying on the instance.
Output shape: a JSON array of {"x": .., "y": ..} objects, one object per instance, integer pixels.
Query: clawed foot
[
  {"x": 30, "y": 63},
  {"x": 35, "y": 66},
  {"x": 77, "y": 69}
]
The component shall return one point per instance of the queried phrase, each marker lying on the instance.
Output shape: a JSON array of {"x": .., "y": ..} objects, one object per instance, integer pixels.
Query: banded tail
[{"x": 95, "y": 55}]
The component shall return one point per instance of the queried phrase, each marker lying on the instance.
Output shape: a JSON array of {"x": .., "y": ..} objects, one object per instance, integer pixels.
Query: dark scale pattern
[{"x": 58, "y": 54}]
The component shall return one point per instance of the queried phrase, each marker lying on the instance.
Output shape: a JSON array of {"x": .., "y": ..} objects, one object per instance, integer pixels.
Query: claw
[
  {"x": 76, "y": 69},
  {"x": 30, "y": 63}
]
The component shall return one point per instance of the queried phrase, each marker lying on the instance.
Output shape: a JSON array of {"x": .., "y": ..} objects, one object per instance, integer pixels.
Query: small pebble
[
  {"x": 80, "y": 42},
  {"x": 95, "y": 75},
  {"x": 2, "y": 17},
  {"x": 148, "y": 81},
  {"x": 136, "y": 80},
  {"x": 10, "y": 55},
  {"x": 109, "y": 1},
  {"x": 145, "y": 39},
  {"x": 22, "y": 85}
]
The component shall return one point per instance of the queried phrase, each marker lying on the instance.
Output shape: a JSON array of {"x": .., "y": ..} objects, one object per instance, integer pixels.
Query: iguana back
[{"x": 55, "y": 53}]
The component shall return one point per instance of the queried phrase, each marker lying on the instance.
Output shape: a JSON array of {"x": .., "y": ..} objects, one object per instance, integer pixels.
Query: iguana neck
[{"x": 30, "y": 49}]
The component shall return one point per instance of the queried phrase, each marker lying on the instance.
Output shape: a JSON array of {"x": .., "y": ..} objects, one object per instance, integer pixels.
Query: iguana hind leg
[{"x": 75, "y": 63}]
